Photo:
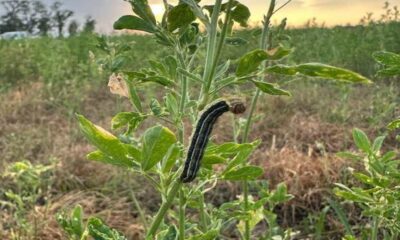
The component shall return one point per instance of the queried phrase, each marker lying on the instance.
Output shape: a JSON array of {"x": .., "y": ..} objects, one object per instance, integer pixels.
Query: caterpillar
[{"x": 202, "y": 133}]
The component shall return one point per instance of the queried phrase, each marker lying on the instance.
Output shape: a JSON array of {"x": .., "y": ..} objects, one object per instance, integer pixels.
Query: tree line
[{"x": 38, "y": 18}]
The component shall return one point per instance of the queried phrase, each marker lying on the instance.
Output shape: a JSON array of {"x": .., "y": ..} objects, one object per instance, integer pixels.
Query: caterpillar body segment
[{"x": 202, "y": 134}]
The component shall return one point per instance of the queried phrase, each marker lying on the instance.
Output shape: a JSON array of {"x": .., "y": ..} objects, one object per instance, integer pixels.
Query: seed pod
[{"x": 202, "y": 134}]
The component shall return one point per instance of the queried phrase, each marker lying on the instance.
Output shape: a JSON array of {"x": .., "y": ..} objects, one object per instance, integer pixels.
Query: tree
[
  {"x": 60, "y": 17},
  {"x": 73, "y": 28},
  {"x": 44, "y": 18},
  {"x": 12, "y": 19},
  {"x": 90, "y": 25}
]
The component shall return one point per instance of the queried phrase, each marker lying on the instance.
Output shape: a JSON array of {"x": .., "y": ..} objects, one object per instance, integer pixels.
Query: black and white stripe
[{"x": 200, "y": 139}]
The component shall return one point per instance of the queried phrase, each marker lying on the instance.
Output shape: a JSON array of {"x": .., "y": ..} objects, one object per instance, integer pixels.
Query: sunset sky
[{"x": 332, "y": 12}]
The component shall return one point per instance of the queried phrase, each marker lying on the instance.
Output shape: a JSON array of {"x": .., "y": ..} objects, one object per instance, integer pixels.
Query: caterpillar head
[{"x": 237, "y": 107}]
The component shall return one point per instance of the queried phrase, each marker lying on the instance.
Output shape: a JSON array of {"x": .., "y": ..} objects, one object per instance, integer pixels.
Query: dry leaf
[{"x": 118, "y": 86}]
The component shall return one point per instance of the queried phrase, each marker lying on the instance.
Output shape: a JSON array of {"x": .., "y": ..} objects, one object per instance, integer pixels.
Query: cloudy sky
[{"x": 331, "y": 12}]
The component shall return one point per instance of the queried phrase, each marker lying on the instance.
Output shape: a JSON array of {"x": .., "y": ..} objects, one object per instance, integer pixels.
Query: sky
[{"x": 330, "y": 12}]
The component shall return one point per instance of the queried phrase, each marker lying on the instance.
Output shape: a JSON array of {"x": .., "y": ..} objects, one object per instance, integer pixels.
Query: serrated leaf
[
  {"x": 320, "y": 71},
  {"x": 180, "y": 16},
  {"x": 156, "y": 143},
  {"x": 133, "y": 23},
  {"x": 245, "y": 173},
  {"x": 361, "y": 140},
  {"x": 270, "y": 89}
]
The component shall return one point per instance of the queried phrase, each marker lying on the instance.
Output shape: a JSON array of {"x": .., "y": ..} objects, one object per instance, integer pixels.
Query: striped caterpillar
[{"x": 202, "y": 133}]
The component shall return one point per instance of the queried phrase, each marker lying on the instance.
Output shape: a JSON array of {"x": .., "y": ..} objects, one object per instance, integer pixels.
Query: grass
[{"x": 45, "y": 81}]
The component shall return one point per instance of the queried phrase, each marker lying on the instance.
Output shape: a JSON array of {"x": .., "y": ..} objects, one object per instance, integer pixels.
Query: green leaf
[
  {"x": 245, "y": 173},
  {"x": 156, "y": 108},
  {"x": 143, "y": 10},
  {"x": 377, "y": 145},
  {"x": 271, "y": 89},
  {"x": 99, "y": 156},
  {"x": 133, "y": 23},
  {"x": 160, "y": 80},
  {"x": 77, "y": 220},
  {"x": 236, "y": 41},
  {"x": 105, "y": 142},
  {"x": 134, "y": 97},
  {"x": 349, "y": 155},
  {"x": 180, "y": 16},
  {"x": 361, "y": 140},
  {"x": 394, "y": 125},
  {"x": 279, "y": 53},
  {"x": 122, "y": 119},
  {"x": 280, "y": 195},
  {"x": 170, "y": 234},
  {"x": 243, "y": 153},
  {"x": 99, "y": 231},
  {"x": 213, "y": 159},
  {"x": 156, "y": 143},
  {"x": 241, "y": 14},
  {"x": 320, "y": 71},
  {"x": 250, "y": 62},
  {"x": 210, "y": 235},
  {"x": 170, "y": 158},
  {"x": 387, "y": 58}
]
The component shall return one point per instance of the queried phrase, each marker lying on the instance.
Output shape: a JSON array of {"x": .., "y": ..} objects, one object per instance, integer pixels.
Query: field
[{"x": 44, "y": 170}]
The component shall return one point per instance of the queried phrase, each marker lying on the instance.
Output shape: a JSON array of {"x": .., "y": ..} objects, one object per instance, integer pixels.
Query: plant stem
[
  {"x": 140, "y": 210},
  {"x": 163, "y": 210},
  {"x": 181, "y": 215},
  {"x": 264, "y": 46},
  {"x": 375, "y": 228},
  {"x": 211, "y": 53}
]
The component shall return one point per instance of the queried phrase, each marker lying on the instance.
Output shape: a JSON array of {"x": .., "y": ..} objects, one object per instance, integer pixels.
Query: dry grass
[{"x": 298, "y": 148}]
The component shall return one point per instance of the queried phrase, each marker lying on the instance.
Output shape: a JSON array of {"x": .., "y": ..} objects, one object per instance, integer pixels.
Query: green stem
[
  {"x": 163, "y": 210},
  {"x": 203, "y": 220},
  {"x": 375, "y": 228},
  {"x": 139, "y": 209},
  {"x": 211, "y": 53},
  {"x": 263, "y": 45},
  {"x": 181, "y": 215}
]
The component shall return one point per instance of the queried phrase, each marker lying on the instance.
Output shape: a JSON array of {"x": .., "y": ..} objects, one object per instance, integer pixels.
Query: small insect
[{"x": 202, "y": 133}]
